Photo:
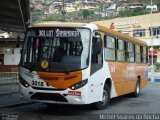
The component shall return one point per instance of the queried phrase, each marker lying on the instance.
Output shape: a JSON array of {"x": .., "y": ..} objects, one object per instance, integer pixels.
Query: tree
[
  {"x": 146, "y": 1},
  {"x": 124, "y": 13},
  {"x": 86, "y": 13},
  {"x": 138, "y": 11}
]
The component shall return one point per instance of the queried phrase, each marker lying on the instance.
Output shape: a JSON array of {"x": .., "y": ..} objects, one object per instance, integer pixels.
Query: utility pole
[
  {"x": 63, "y": 10},
  {"x": 151, "y": 50},
  {"x": 30, "y": 14},
  {"x": 99, "y": 10}
]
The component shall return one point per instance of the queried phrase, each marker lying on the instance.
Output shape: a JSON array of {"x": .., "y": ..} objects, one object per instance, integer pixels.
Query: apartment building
[{"x": 144, "y": 27}]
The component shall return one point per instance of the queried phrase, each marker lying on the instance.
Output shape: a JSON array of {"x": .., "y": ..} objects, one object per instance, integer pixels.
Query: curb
[
  {"x": 16, "y": 105},
  {"x": 155, "y": 83},
  {"x": 2, "y": 93}
]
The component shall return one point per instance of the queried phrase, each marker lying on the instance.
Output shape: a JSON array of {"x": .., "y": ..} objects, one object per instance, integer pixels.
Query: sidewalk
[
  {"x": 11, "y": 99},
  {"x": 154, "y": 83}
]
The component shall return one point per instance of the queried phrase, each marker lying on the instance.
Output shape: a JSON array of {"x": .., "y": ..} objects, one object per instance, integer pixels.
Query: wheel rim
[
  {"x": 105, "y": 97},
  {"x": 138, "y": 88}
]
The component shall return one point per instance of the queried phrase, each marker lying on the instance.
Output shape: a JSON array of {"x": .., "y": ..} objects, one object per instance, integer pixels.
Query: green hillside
[{"x": 157, "y": 2}]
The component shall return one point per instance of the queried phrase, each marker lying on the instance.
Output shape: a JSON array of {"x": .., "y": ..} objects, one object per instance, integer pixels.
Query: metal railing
[{"x": 9, "y": 82}]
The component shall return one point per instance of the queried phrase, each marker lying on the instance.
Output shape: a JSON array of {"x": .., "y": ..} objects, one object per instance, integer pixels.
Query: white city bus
[{"x": 80, "y": 63}]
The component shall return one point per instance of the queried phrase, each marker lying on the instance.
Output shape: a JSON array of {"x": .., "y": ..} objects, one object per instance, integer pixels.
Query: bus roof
[
  {"x": 122, "y": 36},
  {"x": 59, "y": 24},
  {"x": 105, "y": 29}
]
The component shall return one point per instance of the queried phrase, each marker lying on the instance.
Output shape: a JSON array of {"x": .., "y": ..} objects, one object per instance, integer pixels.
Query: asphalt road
[{"x": 146, "y": 106}]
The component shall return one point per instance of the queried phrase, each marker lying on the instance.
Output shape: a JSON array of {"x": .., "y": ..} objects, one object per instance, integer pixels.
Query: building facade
[{"x": 144, "y": 27}]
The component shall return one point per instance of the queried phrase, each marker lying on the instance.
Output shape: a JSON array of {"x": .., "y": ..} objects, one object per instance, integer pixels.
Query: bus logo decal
[{"x": 44, "y": 64}]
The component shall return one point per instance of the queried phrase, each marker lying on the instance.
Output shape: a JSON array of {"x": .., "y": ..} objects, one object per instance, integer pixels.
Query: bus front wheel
[{"x": 105, "y": 99}]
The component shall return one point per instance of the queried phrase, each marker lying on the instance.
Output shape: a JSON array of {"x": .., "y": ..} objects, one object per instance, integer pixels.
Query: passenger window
[
  {"x": 109, "y": 48},
  {"x": 130, "y": 52},
  {"x": 97, "y": 49},
  {"x": 121, "y": 51},
  {"x": 144, "y": 55},
  {"x": 137, "y": 53},
  {"x": 97, "y": 55}
]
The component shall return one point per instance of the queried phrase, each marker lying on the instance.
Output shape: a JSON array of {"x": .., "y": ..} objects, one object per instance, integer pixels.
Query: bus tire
[
  {"x": 137, "y": 89},
  {"x": 105, "y": 99}
]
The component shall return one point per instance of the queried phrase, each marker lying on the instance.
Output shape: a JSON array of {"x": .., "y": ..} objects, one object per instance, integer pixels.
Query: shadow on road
[{"x": 63, "y": 109}]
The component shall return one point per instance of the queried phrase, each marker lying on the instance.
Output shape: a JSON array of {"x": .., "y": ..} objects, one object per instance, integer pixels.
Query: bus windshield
[{"x": 64, "y": 49}]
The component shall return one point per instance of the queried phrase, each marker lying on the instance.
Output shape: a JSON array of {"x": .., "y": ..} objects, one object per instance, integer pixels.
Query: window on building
[
  {"x": 156, "y": 31},
  {"x": 109, "y": 50},
  {"x": 139, "y": 33}
]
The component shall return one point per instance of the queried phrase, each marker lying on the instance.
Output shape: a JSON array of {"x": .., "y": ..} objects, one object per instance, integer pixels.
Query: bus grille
[
  {"x": 51, "y": 89},
  {"x": 49, "y": 96}
]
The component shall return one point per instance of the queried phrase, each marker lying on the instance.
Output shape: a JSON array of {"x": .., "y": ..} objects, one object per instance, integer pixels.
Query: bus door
[
  {"x": 96, "y": 71},
  {"x": 96, "y": 57}
]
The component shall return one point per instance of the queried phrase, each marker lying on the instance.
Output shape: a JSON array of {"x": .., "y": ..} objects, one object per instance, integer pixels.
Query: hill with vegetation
[{"x": 40, "y": 10}]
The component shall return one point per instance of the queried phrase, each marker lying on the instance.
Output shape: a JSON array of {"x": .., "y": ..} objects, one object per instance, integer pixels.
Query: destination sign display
[{"x": 58, "y": 33}]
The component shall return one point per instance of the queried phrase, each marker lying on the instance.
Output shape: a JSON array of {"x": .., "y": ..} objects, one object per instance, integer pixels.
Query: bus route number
[{"x": 37, "y": 83}]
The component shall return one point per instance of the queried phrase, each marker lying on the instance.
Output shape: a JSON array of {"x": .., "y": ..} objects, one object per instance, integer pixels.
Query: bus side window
[
  {"x": 109, "y": 48},
  {"x": 144, "y": 55},
  {"x": 121, "y": 50},
  {"x": 97, "y": 50},
  {"x": 126, "y": 52},
  {"x": 137, "y": 53},
  {"x": 96, "y": 58},
  {"x": 141, "y": 54},
  {"x": 130, "y": 52}
]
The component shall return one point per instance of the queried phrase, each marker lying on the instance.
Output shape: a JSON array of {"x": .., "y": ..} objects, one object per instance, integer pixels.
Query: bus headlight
[
  {"x": 79, "y": 84},
  {"x": 23, "y": 82}
]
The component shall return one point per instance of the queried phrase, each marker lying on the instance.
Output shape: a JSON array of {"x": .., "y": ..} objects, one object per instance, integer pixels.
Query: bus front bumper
[{"x": 62, "y": 97}]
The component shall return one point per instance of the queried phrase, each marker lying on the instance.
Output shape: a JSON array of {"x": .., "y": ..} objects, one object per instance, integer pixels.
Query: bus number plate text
[{"x": 37, "y": 83}]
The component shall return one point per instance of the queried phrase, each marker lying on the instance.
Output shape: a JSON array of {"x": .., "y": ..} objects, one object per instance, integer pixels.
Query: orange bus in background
[{"x": 80, "y": 63}]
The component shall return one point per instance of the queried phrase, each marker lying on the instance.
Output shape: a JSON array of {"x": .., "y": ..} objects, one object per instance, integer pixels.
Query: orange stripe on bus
[
  {"x": 124, "y": 76},
  {"x": 61, "y": 80}
]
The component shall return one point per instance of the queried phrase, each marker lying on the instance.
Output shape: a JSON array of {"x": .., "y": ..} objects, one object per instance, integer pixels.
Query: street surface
[{"x": 147, "y": 106}]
